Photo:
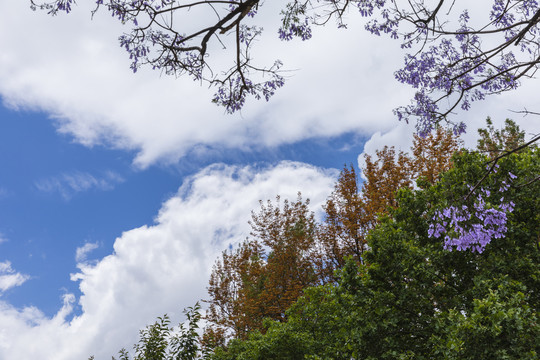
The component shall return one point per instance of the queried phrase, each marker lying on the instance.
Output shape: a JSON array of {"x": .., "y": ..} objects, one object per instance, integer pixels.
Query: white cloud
[
  {"x": 159, "y": 268},
  {"x": 82, "y": 252},
  {"x": 9, "y": 278},
  {"x": 74, "y": 69},
  {"x": 68, "y": 184}
]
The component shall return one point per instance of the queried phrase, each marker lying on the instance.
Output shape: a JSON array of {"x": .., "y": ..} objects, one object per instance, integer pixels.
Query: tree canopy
[
  {"x": 414, "y": 298},
  {"x": 456, "y": 56}
]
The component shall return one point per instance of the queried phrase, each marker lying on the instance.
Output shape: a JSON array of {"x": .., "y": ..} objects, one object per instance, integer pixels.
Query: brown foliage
[
  {"x": 351, "y": 213},
  {"x": 232, "y": 280},
  {"x": 494, "y": 142},
  {"x": 433, "y": 154},
  {"x": 341, "y": 233},
  {"x": 265, "y": 274},
  {"x": 384, "y": 176}
]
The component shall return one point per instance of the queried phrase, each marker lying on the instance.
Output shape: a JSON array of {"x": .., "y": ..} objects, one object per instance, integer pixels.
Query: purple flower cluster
[
  {"x": 54, "y": 7},
  {"x": 301, "y": 30},
  {"x": 129, "y": 10},
  {"x": 454, "y": 66},
  {"x": 248, "y": 33},
  {"x": 366, "y": 7},
  {"x": 295, "y": 22},
  {"x": 506, "y": 20},
  {"x": 165, "y": 58},
  {"x": 389, "y": 23},
  {"x": 460, "y": 68},
  {"x": 64, "y": 5},
  {"x": 136, "y": 50},
  {"x": 465, "y": 228}
]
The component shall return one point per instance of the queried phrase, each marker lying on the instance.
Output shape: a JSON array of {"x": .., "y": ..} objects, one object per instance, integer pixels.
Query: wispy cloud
[
  {"x": 9, "y": 278},
  {"x": 4, "y": 193},
  {"x": 82, "y": 252},
  {"x": 68, "y": 184}
]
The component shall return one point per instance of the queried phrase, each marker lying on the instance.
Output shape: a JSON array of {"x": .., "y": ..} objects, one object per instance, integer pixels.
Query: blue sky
[
  {"x": 44, "y": 225},
  {"x": 119, "y": 191}
]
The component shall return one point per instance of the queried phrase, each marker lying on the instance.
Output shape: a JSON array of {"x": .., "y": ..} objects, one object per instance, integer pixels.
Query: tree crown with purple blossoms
[{"x": 455, "y": 58}]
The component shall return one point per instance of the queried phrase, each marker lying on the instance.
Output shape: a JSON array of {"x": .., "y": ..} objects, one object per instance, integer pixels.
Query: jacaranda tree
[{"x": 456, "y": 55}]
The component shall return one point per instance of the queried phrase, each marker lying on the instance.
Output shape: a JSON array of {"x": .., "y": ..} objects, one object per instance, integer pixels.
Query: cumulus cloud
[
  {"x": 159, "y": 268},
  {"x": 9, "y": 278},
  {"x": 68, "y": 184}
]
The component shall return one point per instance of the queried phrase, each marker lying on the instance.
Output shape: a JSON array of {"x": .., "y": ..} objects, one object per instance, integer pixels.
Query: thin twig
[
  {"x": 530, "y": 182},
  {"x": 525, "y": 111},
  {"x": 494, "y": 161}
]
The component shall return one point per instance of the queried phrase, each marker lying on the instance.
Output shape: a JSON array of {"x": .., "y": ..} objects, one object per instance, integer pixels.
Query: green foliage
[
  {"x": 154, "y": 340},
  {"x": 501, "y": 325},
  {"x": 160, "y": 341}
]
